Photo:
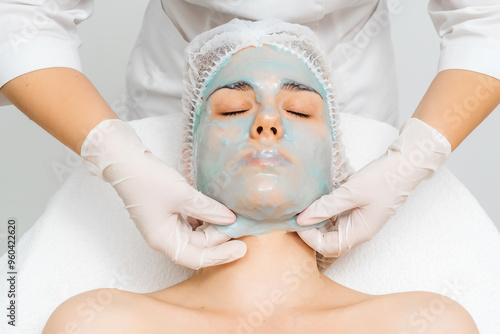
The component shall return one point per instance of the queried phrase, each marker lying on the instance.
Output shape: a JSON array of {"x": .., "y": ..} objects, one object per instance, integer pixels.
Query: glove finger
[
  {"x": 329, "y": 226},
  {"x": 355, "y": 228},
  {"x": 193, "y": 249},
  {"x": 202, "y": 207},
  {"x": 207, "y": 235},
  {"x": 327, "y": 244},
  {"x": 195, "y": 257},
  {"x": 223, "y": 253},
  {"x": 201, "y": 248},
  {"x": 174, "y": 234},
  {"x": 338, "y": 201}
]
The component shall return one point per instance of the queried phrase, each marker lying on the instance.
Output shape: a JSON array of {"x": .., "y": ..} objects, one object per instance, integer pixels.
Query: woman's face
[{"x": 262, "y": 143}]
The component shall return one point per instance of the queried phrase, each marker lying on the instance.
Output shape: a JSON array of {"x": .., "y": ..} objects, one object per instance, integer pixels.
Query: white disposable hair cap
[{"x": 209, "y": 51}]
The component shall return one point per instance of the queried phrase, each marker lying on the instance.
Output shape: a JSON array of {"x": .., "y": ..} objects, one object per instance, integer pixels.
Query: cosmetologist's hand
[
  {"x": 155, "y": 195},
  {"x": 369, "y": 197}
]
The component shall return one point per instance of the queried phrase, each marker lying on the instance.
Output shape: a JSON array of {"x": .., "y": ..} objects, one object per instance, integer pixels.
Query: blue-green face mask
[{"x": 262, "y": 141}]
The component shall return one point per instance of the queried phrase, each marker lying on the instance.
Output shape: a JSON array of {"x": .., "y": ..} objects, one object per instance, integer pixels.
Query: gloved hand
[
  {"x": 374, "y": 193},
  {"x": 156, "y": 195}
]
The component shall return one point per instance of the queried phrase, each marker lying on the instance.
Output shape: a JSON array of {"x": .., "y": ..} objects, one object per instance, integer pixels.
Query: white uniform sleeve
[
  {"x": 470, "y": 34},
  {"x": 36, "y": 34}
]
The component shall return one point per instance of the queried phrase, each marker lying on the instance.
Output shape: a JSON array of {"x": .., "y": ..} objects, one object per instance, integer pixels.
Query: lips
[{"x": 266, "y": 157}]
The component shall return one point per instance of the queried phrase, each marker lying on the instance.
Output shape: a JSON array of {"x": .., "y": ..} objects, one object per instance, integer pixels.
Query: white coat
[{"x": 354, "y": 34}]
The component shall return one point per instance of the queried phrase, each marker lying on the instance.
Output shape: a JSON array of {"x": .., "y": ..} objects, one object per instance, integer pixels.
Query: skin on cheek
[
  {"x": 314, "y": 147},
  {"x": 218, "y": 137}
]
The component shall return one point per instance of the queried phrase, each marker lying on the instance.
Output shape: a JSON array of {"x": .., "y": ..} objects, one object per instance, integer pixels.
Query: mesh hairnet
[{"x": 209, "y": 51}]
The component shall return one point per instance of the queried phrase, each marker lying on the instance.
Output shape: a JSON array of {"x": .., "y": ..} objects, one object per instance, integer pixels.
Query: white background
[{"x": 34, "y": 165}]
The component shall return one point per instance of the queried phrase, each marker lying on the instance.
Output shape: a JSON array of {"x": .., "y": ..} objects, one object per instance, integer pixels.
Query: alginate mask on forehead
[{"x": 266, "y": 181}]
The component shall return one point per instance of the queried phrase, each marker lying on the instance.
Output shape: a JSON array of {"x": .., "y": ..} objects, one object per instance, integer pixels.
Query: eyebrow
[
  {"x": 294, "y": 86},
  {"x": 289, "y": 85},
  {"x": 239, "y": 85}
]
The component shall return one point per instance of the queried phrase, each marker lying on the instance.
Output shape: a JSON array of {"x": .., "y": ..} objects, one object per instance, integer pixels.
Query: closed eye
[
  {"x": 233, "y": 113},
  {"x": 298, "y": 114}
]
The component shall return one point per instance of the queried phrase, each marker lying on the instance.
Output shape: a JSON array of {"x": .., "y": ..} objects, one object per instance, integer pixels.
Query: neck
[{"x": 278, "y": 268}]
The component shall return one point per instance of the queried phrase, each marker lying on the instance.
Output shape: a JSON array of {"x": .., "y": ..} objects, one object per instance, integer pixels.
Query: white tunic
[{"x": 354, "y": 34}]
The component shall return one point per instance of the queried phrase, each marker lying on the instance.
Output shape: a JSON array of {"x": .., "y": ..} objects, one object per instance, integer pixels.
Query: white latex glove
[
  {"x": 155, "y": 195},
  {"x": 374, "y": 193}
]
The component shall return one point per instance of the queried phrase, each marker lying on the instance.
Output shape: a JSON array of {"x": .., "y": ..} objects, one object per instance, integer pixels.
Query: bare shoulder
[
  {"x": 428, "y": 312},
  {"x": 96, "y": 311}
]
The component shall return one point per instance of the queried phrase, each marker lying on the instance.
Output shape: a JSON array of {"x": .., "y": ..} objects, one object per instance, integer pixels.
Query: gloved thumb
[{"x": 338, "y": 201}]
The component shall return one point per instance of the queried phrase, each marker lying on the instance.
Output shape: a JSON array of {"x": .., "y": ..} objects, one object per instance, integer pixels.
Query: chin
[
  {"x": 267, "y": 196},
  {"x": 273, "y": 204}
]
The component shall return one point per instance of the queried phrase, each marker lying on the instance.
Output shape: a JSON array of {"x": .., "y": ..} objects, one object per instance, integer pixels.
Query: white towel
[{"x": 441, "y": 240}]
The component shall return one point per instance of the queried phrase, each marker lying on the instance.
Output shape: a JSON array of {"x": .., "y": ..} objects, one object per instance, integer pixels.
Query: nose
[{"x": 267, "y": 125}]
